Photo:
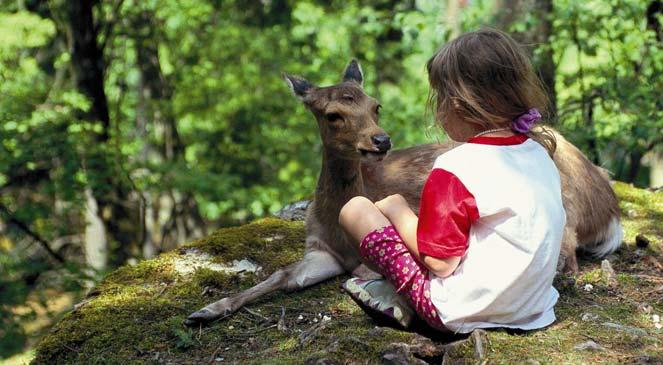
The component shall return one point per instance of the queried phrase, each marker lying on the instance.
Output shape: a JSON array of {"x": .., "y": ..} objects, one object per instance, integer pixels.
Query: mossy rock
[{"x": 135, "y": 315}]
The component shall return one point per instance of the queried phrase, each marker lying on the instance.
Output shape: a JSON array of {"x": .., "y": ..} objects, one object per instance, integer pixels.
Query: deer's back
[{"x": 588, "y": 197}]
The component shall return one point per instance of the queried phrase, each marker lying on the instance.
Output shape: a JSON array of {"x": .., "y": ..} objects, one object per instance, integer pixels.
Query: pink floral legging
[{"x": 384, "y": 248}]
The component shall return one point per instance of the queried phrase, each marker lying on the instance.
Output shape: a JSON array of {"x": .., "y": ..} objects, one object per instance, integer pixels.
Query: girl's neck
[{"x": 497, "y": 132}]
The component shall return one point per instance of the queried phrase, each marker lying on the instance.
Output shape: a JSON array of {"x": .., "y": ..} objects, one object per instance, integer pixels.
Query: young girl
[{"x": 483, "y": 250}]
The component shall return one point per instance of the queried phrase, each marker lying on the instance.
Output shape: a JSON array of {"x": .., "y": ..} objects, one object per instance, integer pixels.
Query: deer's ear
[
  {"x": 298, "y": 85},
  {"x": 353, "y": 72}
]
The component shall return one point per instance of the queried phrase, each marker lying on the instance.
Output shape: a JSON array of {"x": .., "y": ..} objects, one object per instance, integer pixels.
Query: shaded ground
[
  {"x": 135, "y": 315},
  {"x": 46, "y": 311}
]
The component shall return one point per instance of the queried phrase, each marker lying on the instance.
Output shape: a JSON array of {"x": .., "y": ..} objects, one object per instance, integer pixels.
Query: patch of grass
[
  {"x": 183, "y": 336},
  {"x": 591, "y": 277}
]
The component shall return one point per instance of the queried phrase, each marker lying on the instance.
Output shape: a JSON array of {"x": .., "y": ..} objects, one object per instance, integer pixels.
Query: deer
[{"x": 357, "y": 160}]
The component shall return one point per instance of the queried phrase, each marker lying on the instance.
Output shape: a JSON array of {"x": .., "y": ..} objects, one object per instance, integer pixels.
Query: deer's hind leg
[
  {"x": 568, "y": 261},
  {"x": 316, "y": 266}
]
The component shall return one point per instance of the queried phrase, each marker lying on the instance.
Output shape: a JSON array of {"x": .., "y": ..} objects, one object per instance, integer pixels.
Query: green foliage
[
  {"x": 248, "y": 144},
  {"x": 248, "y": 141},
  {"x": 610, "y": 65},
  {"x": 183, "y": 335},
  {"x": 22, "y": 30},
  {"x": 18, "y": 297},
  {"x": 14, "y": 292},
  {"x": 36, "y": 134},
  {"x": 39, "y": 151}
]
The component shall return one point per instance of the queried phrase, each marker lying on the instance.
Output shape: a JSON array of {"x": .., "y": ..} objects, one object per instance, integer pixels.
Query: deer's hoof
[
  {"x": 200, "y": 317},
  {"x": 571, "y": 265}
]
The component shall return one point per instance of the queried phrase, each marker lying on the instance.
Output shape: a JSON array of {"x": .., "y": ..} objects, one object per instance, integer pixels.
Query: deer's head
[{"x": 347, "y": 117}]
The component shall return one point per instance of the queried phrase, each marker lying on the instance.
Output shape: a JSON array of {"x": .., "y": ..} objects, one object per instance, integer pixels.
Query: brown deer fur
[{"x": 352, "y": 165}]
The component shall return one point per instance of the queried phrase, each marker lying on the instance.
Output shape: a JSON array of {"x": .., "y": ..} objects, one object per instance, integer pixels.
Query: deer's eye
[
  {"x": 333, "y": 117},
  {"x": 377, "y": 109}
]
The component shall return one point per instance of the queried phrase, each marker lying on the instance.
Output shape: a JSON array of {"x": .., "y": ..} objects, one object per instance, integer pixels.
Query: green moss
[
  {"x": 135, "y": 315},
  {"x": 272, "y": 242},
  {"x": 204, "y": 277},
  {"x": 150, "y": 271},
  {"x": 287, "y": 345},
  {"x": 642, "y": 213}
]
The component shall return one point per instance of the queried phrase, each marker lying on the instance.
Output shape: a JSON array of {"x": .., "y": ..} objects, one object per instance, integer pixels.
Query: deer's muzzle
[{"x": 382, "y": 142}]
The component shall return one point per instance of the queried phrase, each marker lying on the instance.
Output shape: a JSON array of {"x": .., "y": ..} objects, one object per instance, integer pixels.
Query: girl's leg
[
  {"x": 383, "y": 250},
  {"x": 360, "y": 216}
]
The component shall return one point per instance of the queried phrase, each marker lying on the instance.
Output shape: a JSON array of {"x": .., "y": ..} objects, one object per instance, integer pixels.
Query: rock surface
[
  {"x": 294, "y": 211},
  {"x": 589, "y": 346},
  {"x": 135, "y": 315}
]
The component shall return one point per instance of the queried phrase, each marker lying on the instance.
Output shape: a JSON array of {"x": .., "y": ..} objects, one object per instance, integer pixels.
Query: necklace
[{"x": 491, "y": 131}]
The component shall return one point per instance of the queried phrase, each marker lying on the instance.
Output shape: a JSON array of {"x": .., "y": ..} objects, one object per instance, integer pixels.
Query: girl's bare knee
[{"x": 353, "y": 209}]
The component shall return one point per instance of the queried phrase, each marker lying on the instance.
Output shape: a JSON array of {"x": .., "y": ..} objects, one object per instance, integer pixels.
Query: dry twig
[
  {"x": 257, "y": 314},
  {"x": 281, "y": 323}
]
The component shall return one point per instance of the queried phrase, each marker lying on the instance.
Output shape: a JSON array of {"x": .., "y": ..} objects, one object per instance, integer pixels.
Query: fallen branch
[
  {"x": 70, "y": 348},
  {"x": 649, "y": 277},
  {"x": 256, "y": 314},
  {"x": 211, "y": 358},
  {"x": 308, "y": 335}
]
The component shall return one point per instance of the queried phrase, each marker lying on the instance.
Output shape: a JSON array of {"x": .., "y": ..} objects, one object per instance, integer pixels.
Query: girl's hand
[
  {"x": 392, "y": 206},
  {"x": 396, "y": 209}
]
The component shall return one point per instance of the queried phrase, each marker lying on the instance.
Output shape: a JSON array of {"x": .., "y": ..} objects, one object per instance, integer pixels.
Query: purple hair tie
[{"x": 525, "y": 122}]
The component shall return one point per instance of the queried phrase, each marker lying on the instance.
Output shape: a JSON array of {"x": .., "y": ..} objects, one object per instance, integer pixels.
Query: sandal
[{"x": 378, "y": 298}]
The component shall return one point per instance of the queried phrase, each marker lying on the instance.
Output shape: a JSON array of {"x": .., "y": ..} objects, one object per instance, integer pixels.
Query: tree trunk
[
  {"x": 88, "y": 62},
  {"x": 95, "y": 244},
  {"x": 635, "y": 159},
  {"x": 656, "y": 169},
  {"x": 105, "y": 179}
]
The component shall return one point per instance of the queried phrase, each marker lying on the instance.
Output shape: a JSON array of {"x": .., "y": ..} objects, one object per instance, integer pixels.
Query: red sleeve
[{"x": 446, "y": 213}]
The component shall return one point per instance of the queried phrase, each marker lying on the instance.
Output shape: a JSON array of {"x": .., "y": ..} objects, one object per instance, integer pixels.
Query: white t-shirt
[{"x": 497, "y": 203}]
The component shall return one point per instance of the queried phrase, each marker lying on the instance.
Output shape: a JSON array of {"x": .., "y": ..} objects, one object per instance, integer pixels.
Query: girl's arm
[{"x": 396, "y": 209}]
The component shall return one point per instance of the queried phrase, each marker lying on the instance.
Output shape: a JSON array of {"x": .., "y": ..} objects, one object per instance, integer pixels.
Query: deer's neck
[{"x": 339, "y": 181}]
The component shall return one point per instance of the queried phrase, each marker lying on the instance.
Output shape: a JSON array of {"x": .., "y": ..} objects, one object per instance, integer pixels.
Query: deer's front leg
[{"x": 316, "y": 266}]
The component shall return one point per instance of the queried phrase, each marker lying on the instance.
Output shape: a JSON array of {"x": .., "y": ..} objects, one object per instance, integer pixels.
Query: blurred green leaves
[
  {"x": 22, "y": 30},
  {"x": 610, "y": 73},
  {"x": 249, "y": 145}
]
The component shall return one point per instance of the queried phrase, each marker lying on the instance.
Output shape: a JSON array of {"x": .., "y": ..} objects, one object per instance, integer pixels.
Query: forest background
[{"x": 130, "y": 127}]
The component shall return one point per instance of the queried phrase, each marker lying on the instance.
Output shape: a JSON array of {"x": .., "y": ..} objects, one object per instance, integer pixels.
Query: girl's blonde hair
[{"x": 485, "y": 78}]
